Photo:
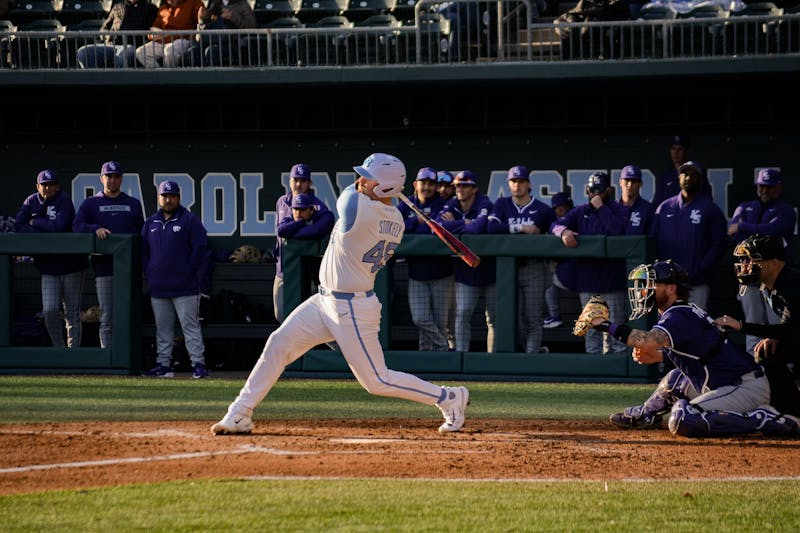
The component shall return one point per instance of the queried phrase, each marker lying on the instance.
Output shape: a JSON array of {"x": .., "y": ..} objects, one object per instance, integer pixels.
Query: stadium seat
[
  {"x": 703, "y": 33},
  {"x": 40, "y": 52},
  {"x": 329, "y": 48},
  {"x": 752, "y": 37},
  {"x": 26, "y": 11},
  {"x": 74, "y": 11},
  {"x": 403, "y": 11},
  {"x": 377, "y": 47},
  {"x": 274, "y": 48},
  {"x": 360, "y": 10},
  {"x": 312, "y": 11},
  {"x": 71, "y": 45},
  {"x": 268, "y": 10},
  {"x": 648, "y": 40}
]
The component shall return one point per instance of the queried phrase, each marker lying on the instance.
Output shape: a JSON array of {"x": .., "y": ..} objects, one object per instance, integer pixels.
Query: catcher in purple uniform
[{"x": 715, "y": 389}]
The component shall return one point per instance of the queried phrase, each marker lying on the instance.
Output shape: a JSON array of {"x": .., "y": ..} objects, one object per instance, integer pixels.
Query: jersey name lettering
[{"x": 390, "y": 228}]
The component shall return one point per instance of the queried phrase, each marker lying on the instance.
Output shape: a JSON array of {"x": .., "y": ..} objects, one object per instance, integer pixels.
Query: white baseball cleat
[
  {"x": 233, "y": 424},
  {"x": 453, "y": 407}
]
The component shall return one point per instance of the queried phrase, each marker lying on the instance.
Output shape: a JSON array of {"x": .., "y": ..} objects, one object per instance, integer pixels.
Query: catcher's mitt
[{"x": 596, "y": 307}]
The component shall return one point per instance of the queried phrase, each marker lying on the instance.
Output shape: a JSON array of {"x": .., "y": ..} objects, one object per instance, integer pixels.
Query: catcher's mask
[
  {"x": 749, "y": 254},
  {"x": 642, "y": 292}
]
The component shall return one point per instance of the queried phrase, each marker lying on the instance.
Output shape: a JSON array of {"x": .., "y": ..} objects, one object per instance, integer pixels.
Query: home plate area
[{"x": 36, "y": 457}]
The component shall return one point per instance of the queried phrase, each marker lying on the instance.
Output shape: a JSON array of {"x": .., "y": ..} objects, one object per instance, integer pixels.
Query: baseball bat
[{"x": 458, "y": 247}]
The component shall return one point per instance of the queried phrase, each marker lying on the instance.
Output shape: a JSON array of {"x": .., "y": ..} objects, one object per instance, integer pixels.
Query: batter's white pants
[{"x": 354, "y": 324}]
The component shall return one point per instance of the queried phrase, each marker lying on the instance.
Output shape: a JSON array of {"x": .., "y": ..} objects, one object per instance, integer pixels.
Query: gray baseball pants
[
  {"x": 430, "y": 302},
  {"x": 187, "y": 311},
  {"x": 105, "y": 298},
  {"x": 532, "y": 278},
  {"x": 466, "y": 299},
  {"x": 63, "y": 292}
]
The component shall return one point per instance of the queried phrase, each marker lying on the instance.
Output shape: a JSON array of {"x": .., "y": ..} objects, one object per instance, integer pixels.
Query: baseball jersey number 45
[{"x": 379, "y": 255}]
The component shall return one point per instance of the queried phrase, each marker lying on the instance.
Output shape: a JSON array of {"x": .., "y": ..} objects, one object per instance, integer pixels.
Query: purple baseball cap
[
  {"x": 769, "y": 176},
  {"x": 518, "y": 172},
  {"x": 631, "y": 172},
  {"x": 561, "y": 198},
  {"x": 168, "y": 187},
  {"x": 302, "y": 201},
  {"x": 300, "y": 171},
  {"x": 111, "y": 167},
  {"x": 465, "y": 177},
  {"x": 426, "y": 173},
  {"x": 46, "y": 176},
  {"x": 691, "y": 165},
  {"x": 679, "y": 139}
]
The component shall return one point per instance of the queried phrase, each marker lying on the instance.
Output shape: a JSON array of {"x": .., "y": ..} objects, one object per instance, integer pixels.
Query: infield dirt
[{"x": 38, "y": 457}]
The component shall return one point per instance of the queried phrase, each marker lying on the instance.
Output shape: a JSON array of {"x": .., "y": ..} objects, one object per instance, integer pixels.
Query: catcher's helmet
[
  {"x": 642, "y": 293},
  {"x": 389, "y": 172},
  {"x": 751, "y": 252}
]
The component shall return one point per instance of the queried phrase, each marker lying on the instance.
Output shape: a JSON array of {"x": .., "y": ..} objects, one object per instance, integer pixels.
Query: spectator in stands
[
  {"x": 169, "y": 49},
  {"x": 561, "y": 203},
  {"x": 690, "y": 229},
  {"x": 107, "y": 212},
  {"x": 668, "y": 184},
  {"x": 224, "y": 15},
  {"x": 446, "y": 188},
  {"x": 468, "y": 213},
  {"x": 767, "y": 215},
  {"x": 50, "y": 210},
  {"x": 638, "y": 211},
  {"x": 119, "y": 51},
  {"x": 320, "y": 225},
  {"x": 606, "y": 277},
  {"x": 522, "y": 214},
  {"x": 430, "y": 279},
  {"x": 174, "y": 261}
]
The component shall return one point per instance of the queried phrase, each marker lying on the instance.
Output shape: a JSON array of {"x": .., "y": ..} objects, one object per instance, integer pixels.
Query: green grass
[
  {"x": 407, "y": 505},
  {"x": 65, "y": 399},
  {"x": 367, "y": 505}
]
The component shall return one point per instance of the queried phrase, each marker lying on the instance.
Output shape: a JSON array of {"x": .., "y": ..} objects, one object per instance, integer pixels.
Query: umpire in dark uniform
[{"x": 761, "y": 259}]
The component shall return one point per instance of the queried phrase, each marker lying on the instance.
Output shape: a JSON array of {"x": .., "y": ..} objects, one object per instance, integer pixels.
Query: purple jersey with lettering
[
  {"x": 693, "y": 235},
  {"x": 422, "y": 268},
  {"x": 320, "y": 227},
  {"x": 775, "y": 218},
  {"x": 595, "y": 275},
  {"x": 478, "y": 214},
  {"x": 703, "y": 354},
  {"x": 122, "y": 214},
  {"x": 508, "y": 217},
  {"x": 639, "y": 215}
]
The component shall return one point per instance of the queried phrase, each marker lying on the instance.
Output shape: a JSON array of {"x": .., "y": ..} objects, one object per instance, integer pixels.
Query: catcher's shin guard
[
  {"x": 690, "y": 421},
  {"x": 672, "y": 387}
]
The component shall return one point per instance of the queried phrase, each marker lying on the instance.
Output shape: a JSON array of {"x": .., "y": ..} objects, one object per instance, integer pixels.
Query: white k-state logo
[
  {"x": 176, "y": 229},
  {"x": 51, "y": 212},
  {"x": 696, "y": 216},
  {"x": 636, "y": 219}
]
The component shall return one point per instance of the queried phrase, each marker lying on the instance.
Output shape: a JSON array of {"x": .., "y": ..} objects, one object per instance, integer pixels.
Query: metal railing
[{"x": 463, "y": 32}]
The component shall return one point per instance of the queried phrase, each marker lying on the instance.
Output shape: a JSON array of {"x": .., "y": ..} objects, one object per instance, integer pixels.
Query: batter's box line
[{"x": 154, "y": 458}]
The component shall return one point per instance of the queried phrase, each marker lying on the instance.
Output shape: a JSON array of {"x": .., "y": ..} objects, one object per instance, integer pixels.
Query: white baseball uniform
[{"x": 345, "y": 309}]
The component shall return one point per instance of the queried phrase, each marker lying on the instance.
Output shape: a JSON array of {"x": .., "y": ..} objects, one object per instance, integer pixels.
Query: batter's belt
[{"x": 344, "y": 295}]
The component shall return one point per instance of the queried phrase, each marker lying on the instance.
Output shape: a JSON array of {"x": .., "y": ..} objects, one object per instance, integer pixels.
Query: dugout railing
[
  {"x": 464, "y": 32},
  {"x": 125, "y": 356}
]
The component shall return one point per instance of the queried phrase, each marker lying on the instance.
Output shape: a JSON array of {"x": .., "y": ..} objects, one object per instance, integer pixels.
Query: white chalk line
[
  {"x": 171, "y": 457},
  {"x": 524, "y": 480}
]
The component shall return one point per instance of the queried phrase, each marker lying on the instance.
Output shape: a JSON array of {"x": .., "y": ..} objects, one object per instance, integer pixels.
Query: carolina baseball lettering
[{"x": 231, "y": 204}]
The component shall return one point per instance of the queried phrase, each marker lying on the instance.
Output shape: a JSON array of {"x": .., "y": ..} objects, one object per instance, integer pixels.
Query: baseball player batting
[{"x": 345, "y": 309}]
